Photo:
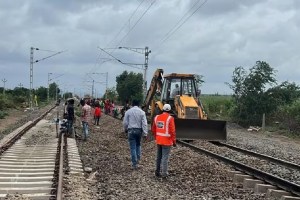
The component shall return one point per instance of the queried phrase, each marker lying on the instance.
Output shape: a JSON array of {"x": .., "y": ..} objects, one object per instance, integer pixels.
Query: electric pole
[
  {"x": 31, "y": 70},
  {"x": 4, "y": 81},
  {"x": 48, "y": 91},
  {"x": 20, "y": 85},
  {"x": 93, "y": 81},
  {"x": 146, "y": 68},
  {"x": 146, "y": 52},
  {"x": 93, "y": 88},
  {"x": 31, "y": 75}
]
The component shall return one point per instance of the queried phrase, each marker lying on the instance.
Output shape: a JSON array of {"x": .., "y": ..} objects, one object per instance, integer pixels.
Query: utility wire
[
  {"x": 128, "y": 34},
  {"x": 170, "y": 33},
  {"x": 128, "y": 64},
  {"x": 180, "y": 20},
  {"x": 136, "y": 23},
  {"x": 121, "y": 29},
  {"x": 46, "y": 50},
  {"x": 125, "y": 24},
  {"x": 50, "y": 56}
]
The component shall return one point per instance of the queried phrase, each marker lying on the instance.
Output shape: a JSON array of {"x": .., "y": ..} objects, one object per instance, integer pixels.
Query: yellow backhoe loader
[{"x": 181, "y": 92}]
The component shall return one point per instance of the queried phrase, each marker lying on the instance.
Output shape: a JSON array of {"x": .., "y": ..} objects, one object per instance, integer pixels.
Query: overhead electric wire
[
  {"x": 180, "y": 20},
  {"x": 140, "y": 18},
  {"x": 46, "y": 50},
  {"x": 136, "y": 23},
  {"x": 116, "y": 59},
  {"x": 125, "y": 24},
  {"x": 170, "y": 33},
  {"x": 133, "y": 13},
  {"x": 50, "y": 56}
]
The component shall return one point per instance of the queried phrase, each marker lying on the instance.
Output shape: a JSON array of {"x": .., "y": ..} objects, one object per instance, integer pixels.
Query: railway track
[
  {"x": 274, "y": 180},
  {"x": 31, "y": 161}
]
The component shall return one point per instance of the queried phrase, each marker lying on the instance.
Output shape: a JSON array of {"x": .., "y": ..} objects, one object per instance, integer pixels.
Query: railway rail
[
  {"x": 266, "y": 177},
  {"x": 259, "y": 155},
  {"x": 31, "y": 161}
]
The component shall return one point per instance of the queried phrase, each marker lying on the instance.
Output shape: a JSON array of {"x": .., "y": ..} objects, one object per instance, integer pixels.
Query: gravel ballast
[{"x": 192, "y": 175}]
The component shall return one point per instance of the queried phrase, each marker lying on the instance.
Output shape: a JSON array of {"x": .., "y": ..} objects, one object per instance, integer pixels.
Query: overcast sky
[{"x": 219, "y": 36}]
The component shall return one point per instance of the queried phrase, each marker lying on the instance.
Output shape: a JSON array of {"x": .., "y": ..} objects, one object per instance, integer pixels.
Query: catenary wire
[
  {"x": 171, "y": 33},
  {"x": 136, "y": 23},
  {"x": 180, "y": 20},
  {"x": 125, "y": 24},
  {"x": 99, "y": 55},
  {"x": 130, "y": 31}
]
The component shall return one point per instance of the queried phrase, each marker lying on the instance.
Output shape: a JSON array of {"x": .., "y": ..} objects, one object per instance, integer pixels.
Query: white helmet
[{"x": 167, "y": 107}]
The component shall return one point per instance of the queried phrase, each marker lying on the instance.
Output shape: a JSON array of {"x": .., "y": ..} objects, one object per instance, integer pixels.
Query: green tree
[
  {"x": 130, "y": 86},
  {"x": 111, "y": 94},
  {"x": 20, "y": 91},
  {"x": 289, "y": 116},
  {"x": 41, "y": 93},
  {"x": 68, "y": 95},
  {"x": 21, "y": 95},
  {"x": 285, "y": 93},
  {"x": 52, "y": 90},
  {"x": 250, "y": 97}
]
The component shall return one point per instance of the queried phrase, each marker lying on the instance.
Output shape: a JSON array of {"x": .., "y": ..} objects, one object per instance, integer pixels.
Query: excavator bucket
[{"x": 190, "y": 129}]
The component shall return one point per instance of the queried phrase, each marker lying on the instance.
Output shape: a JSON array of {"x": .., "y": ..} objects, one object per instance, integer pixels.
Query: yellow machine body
[{"x": 182, "y": 93}]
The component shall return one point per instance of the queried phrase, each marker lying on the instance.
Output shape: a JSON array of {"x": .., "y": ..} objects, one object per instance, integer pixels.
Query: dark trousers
[{"x": 97, "y": 118}]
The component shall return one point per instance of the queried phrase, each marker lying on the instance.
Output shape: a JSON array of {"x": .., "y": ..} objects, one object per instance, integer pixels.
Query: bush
[
  {"x": 6, "y": 101},
  {"x": 289, "y": 116},
  {"x": 3, "y": 114},
  {"x": 217, "y": 105},
  {"x": 19, "y": 99}
]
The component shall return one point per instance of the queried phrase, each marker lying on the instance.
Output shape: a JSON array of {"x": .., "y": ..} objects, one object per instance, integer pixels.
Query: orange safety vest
[{"x": 164, "y": 129}]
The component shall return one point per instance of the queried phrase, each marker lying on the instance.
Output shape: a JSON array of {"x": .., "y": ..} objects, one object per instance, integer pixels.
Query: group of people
[
  {"x": 163, "y": 129},
  {"x": 87, "y": 112},
  {"x": 135, "y": 125}
]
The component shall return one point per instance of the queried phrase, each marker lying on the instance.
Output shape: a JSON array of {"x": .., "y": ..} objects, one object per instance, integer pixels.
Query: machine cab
[{"x": 178, "y": 84}]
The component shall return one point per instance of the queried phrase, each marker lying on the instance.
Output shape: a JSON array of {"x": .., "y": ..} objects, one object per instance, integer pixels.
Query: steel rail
[
  {"x": 279, "y": 182},
  {"x": 259, "y": 155}
]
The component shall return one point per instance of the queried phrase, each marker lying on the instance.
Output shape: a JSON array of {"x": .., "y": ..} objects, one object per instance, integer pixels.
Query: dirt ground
[{"x": 13, "y": 116}]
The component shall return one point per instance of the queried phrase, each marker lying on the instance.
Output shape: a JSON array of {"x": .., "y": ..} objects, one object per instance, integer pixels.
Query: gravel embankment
[{"x": 192, "y": 175}]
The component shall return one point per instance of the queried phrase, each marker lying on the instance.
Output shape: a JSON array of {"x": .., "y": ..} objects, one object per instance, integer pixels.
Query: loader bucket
[{"x": 190, "y": 129}]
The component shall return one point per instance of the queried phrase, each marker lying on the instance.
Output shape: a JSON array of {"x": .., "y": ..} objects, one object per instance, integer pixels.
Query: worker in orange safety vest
[{"x": 163, "y": 129}]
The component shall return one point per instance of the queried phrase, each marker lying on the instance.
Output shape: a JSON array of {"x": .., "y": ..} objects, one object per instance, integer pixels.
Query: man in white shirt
[{"x": 135, "y": 124}]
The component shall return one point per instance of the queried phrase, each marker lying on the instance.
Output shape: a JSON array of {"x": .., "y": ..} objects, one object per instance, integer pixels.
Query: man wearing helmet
[{"x": 163, "y": 129}]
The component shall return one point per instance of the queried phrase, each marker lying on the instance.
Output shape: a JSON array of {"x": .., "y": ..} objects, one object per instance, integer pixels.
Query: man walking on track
[
  {"x": 86, "y": 113},
  {"x": 135, "y": 124},
  {"x": 163, "y": 129}
]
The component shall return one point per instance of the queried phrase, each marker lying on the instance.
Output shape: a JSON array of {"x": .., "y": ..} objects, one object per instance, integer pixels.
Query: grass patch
[{"x": 217, "y": 106}]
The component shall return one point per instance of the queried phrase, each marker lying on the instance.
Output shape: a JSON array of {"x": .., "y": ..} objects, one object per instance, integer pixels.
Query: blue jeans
[
  {"x": 85, "y": 129},
  {"x": 162, "y": 159},
  {"x": 134, "y": 139}
]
